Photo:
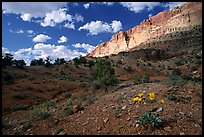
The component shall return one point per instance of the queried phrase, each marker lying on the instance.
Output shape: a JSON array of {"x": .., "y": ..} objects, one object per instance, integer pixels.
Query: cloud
[
  {"x": 55, "y": 51},
  {"x": 150, "y": 15},
  {"x": 85, "y": 46},
  {"x": 25, "y": 54},
  {"x": 86, "y": 6},
  {"x": 62, "y": 39},
  {"x": 116, "y": 25},
  {"x": 30, "y": 31},
  {"x": 54, "y": 17},
  {"x": 19, "y": 31},
  {"x": 33, "y": 9},
  {"x": 171, "y": 5},
  {"x": 139, "y": 6},
  {"x": 41, "y": 38},
  {"x": 26, "y": 17},
  {"x": 96, "y": 27},
  {"x": 4, "y": 50},
  {"x": 41, "y": 50},
  {"x": 78, "y": 18},
  {"x": 69, "y": 25}
]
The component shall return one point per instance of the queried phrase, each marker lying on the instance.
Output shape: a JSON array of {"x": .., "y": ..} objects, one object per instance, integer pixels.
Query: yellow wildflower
[
  {"x": 137, "y": 99},
  {"x": 151, "y": 96},
  {"x": 161, "y": 101},
  {"x": 140, "y": 95}
]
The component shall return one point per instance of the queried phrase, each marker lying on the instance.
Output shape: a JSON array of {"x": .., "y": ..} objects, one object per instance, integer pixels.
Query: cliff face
[{"x": 180, "y": 18}]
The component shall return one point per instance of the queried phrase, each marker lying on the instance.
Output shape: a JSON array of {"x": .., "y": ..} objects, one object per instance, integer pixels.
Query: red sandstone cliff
[{"x": 178, "y": 19}]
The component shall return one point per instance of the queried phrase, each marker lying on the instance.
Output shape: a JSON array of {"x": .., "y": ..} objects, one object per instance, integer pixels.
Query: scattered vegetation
[
  {"x": 8, "y": 77},
  {"x": 48, "y": 62},
  {"x": 59, "y": 61},
  {"x": 141, "y": 79},
  {"x": 104, "y": 74},
  {"x": 91, "y": 98},
  {"x": 128, "y": 69},
  {"x": 18, "y": 95},
  {"x": 16, "y": 107},
  {"x": 38, "y": 113},
  {"x": 149, "y": 118},
  {"x": 37, "y": 62}
]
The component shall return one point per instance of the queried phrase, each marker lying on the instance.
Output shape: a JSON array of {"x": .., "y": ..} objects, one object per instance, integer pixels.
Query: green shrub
[
  {"x": 90, "y": 63},
  {"x": 176, "y": 71},
  {"x": 141, "y": 79},
  {"x": 171, "y": 97},
  {"x": 128, "y": 69},
  {"x": 104, "y": 74},
  {"x": 38, "y": 113},
  {"x": 19, "y": 63},
  {"x": 149, "y": 118},
  {"x": 91, "y": 98},
  {"x": 178, "y": 62},
  {"x": 95, "y": 84},
  {"x": 18, "y": 95},
  {"x": 119, "y": 62},
  {"x": 16, "y": 107},
  {"x": 8, "y": 77}
]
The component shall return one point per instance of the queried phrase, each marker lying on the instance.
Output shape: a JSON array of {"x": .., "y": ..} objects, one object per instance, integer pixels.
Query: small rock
[
  {"x": 129, "y": 110},
  {"x": 28, "y": 129},
  {"x": 137, "y": 125},
  {"x": 85, "y": 123},
  {"x": 168, "y": 129},
  {"x": 105, "y": 120},
  {"x": 124, "y": 107},
  {"x": 128, "y": 119},
  {"x": 62, "y": 133},
  {"x": 181, "y": 133},
  {"x": 196, "y": 125},
  {"x": 182, "y": 113},
  {"x": 99, "y": 128},
  {"x": 159, "y": 109}
]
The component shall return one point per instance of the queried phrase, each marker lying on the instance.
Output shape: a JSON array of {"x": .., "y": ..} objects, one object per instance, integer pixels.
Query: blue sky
[{"x": 67, "y": 30}]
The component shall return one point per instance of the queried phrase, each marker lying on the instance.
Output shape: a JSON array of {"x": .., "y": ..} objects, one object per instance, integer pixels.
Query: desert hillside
[{"x": 153, "y": 88}]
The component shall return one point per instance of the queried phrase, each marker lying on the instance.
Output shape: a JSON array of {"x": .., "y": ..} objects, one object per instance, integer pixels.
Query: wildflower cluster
[{"x": 139, "y": 98}]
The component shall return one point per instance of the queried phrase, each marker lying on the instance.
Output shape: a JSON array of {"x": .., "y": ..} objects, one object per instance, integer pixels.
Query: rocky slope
[{"x": 178, "y": 19}]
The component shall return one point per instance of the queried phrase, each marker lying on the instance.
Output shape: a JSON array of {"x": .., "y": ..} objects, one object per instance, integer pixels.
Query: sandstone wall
[{"x": 178, "y": 19}]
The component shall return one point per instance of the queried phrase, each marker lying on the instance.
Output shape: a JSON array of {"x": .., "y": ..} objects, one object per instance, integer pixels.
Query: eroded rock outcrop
[{"x": 180, "y": 18}]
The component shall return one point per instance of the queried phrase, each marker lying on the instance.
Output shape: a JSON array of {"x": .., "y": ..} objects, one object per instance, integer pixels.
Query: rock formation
[{"x": 180, "y": 18}]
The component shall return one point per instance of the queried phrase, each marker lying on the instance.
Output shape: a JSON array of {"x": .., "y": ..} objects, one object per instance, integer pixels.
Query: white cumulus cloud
[
  {"x": 4, "y": 51},
  {"x": 42, "y": 50},
  {"x": 69, "y": 25},
  {"x": 85, "y": 46},
  {"x": 86, "y": 6},
  {"x": 116, "y": 25},
  {"x": 20, "y": 31},
  {"x": 27, "y": 10},
  {"x": 26, "y": 17},
  {"x": 96, "y": 27},
  {"x": 139, "y": 6},
  {"x": 78, "y": 18},
  {"x": 54, "y": 17},
  {"x": 30, "y": 31},
  {"x": 62, "y": 39},
  {"x": 41, "y": 38}
]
